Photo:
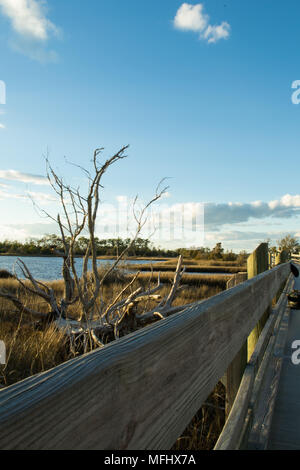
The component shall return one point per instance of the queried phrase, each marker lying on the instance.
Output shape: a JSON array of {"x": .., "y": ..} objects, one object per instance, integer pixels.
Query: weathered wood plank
[
  {"x": 277, "y": 313},
  {"x": 283, "y": 428},
  {"x": 141, "y": 391},
  {"x": 234, "y": 373},
  {"x": 268, "y": 378},
  {"x": 257, "y": 263},
  {"x": 232, "y": 434},
  {"x": 236, "y": 279},
  {"x": 232, "y": 430}
]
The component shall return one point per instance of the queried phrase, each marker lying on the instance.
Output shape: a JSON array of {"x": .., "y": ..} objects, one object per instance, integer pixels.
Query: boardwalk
[
  {"x": 160, "y": 376},
  {"x": 285, "y": 429}
]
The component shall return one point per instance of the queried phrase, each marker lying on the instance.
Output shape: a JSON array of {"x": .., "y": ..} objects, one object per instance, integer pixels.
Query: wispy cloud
[
  {"x": 192, "y": 18},
  {"x": 7, "y": 193},
  {"x": 13, "y": 175},
  {"x": 22, "y": 232},
  {"x": 31, "y": 26},
  {"x": 35, "y": 51},
  {"x": 237, "y": 235},
  {"x": 215, "y": 33},
  {"x": 41, "y": 197},
  {"x": 2, "y": 126},
  {"x": 28, "y": 18},
  {"x": 246, "y": 240},
  {"x": 217, "y": 215}
]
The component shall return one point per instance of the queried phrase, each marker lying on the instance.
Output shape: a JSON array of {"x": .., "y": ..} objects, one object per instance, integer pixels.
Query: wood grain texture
[
  {"x": 234, "y": 373},
  {"x": 232, "y": 434},
  {"x": 236, "y": 279},
  {"x": 141, "y": 391},
  {"x": 266, "y": 383},
  {"x": 285, "y": 425},
  {"x": 257, "y": 263}
]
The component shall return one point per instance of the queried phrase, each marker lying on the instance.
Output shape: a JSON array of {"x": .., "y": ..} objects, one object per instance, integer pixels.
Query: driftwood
[
  {"x": 120, "y": 317},
  {"x": 78, "y": 214},
  {"x": 141, "y": 391}
]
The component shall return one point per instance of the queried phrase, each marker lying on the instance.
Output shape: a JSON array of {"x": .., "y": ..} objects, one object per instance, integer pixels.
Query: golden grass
[
  {"x": 28, "y": 351},
  {"x": 203, "y": 431},
  {"x": 201, "y": 262},
  {"x": 193, "y": 268},
  {"x": 31, "y": 351},
  {"x": 24, "y": 342}
]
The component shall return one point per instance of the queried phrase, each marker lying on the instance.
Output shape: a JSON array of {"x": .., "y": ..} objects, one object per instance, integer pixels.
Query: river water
[{"x": 48, "y": 268}]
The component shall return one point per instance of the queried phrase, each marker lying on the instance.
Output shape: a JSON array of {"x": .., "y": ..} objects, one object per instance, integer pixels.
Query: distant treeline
[
  {"x": 107, "y": 247},
  {"x": 216, "y": 253},
  {"x": 113, "y": 247}
]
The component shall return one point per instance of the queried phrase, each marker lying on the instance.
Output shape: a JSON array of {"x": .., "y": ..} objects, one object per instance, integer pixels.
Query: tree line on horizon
[
  {"x": 142, "y": 247},
  {"x": 49, "y": 244}
]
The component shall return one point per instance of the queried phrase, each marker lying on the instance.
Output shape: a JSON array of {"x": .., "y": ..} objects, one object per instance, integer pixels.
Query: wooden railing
[
  {"x": 249, "y": 421},
  {"x": 141, "y": 391}
]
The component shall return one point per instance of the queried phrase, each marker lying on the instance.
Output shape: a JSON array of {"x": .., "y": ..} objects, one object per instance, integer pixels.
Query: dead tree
[{"x": 97, "y": 320}]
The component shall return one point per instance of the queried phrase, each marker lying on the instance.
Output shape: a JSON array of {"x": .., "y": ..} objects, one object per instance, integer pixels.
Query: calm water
[{"x": 49, "y": 269}]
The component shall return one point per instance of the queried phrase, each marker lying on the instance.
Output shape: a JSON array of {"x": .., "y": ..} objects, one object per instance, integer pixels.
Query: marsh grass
[
  {"x": 28, "y": 351},
  {"x": 203, "y": 431},
  {"x": 202, "y": 262},
  {"x": 190, "y": 266},
  {"x": 31, "y": 351}
]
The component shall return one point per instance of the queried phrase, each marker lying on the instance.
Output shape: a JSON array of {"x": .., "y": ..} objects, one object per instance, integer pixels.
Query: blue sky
[{"x": 200, "y": 90}]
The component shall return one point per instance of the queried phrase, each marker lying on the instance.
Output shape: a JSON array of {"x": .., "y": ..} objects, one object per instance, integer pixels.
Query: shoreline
[
  {"x": 141, "y": 258},
  {"x": 36, "y": 256}
]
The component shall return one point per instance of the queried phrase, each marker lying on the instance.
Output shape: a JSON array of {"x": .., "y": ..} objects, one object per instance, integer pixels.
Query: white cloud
[
  {"x": 236, "y": 235},
  {"x": 246, "y": 240},
  {"x": 13, "y": 175},
  {"x": 121, "y": 199},
  {"x": 32, "y": 28},
  {"x": 2, "y": 126},
  {"x": 192, "y": 18},
  {"x": 217, "y": 215},
  {"x": 30, "y": 195},
  {"x": 215, "y": 33},
  {"x": 41, "y": 197},
  {"x": 28, "y": 18},
  {"x": 21, "y": 232},
  {"x": 35, "y": 51},
  {"x": 166, "y": 195}
]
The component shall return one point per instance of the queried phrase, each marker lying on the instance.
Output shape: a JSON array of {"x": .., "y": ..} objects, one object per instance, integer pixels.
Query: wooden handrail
[
  {"x": 249, "y": 391},
  {"x": 141, "y": 391}
]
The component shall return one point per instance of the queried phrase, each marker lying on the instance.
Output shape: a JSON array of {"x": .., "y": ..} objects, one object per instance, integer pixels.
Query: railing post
[
  {"x": 282, "y": 257},
  {"x": 271, "y": 260},
  {"x": 232, "y": 378},
  {"x": 257, "y": 263}
]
